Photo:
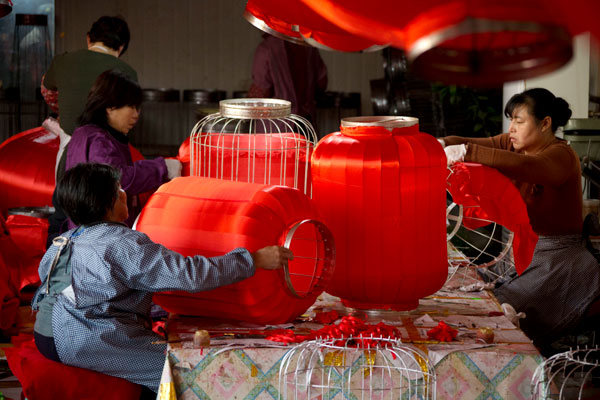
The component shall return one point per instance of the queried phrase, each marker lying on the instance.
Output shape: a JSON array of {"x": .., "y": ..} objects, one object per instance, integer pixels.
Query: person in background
[
  {"x": 288, "y": 71},
  {"x": 563, "y": 279},
  {"x": 72, "y": 74},
  {"x": 98, "y": 280}
]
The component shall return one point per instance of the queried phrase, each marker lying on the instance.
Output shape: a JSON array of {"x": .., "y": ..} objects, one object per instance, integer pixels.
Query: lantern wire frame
[
  {"x": 568, "y": 375},
  {"x": 314, "y": 258},
  {"x": 356, "y": 367},
  {"x": 254, "y": 140},
  {"x": 487, "y": 248}
]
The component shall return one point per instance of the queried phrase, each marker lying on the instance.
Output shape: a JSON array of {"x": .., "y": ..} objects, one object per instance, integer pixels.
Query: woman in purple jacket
[{"x": 111, "y": 111}]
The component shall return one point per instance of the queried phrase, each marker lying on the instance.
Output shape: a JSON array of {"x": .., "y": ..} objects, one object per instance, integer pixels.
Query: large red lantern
[
  {"x": 382, "y": 193},
  {"x": 27, "y": 162},
  {"x": 195, "y": 215},
  {"x": 469, "y": 42}
]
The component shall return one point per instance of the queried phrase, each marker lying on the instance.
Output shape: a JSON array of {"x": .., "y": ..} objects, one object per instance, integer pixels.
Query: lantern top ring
[
  {"x": 386, "y": 121},
  {"x": 255, "y": 108}
]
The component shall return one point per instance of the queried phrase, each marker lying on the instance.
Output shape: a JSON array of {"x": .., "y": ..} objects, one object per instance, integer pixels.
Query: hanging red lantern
[
  {"x": 294, "y": 21},
  {"x": 184, "y": 157},
  {"x": 468, "y": 42},
  {"x": 490, "y": 196},
  {"x": 27, "y": 162},
  {"x": 382, "y": 194},
  {"x": 195, "y": 215}
]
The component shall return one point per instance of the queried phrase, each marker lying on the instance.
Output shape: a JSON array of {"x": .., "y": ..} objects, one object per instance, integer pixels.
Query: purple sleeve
[{"x": 138, "y": 177}]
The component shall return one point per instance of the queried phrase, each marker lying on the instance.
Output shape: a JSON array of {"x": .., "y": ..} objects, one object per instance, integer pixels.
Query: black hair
[
  {"x": 112, "y": 89},
  {"x": 113, "y": 32},
  {"x": 541, "y": 103},
  {"x": 88, "y": 191}
]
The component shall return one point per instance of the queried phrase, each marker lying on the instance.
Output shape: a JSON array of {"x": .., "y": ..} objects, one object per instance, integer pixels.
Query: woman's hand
[
  {"x": 272, "y": 257},
  {"x": 455, "y": 153}
]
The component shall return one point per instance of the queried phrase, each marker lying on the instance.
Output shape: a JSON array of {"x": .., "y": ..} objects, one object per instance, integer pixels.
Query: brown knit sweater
[{"x": 549, "y": 181}]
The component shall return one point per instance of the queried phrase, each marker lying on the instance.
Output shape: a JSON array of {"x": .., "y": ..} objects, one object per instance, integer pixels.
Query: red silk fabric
[
  {"x": 27, "y": 162},
  {"x": 283, "y": 16},
  {"x": 498, "y": 200},
  {"x": 184, "y": 157},
  {"x": 9, "y": 277},
  {"x": 269, "y": 158},
  {"x": 42, "y": 378},
  {"x": 382, "y": 194},
  {"x": 195, "y": 215},
  {"x": 29, "y": 235}
]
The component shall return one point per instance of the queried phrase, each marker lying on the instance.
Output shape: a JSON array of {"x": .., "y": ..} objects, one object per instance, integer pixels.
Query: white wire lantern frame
[
  {"x": 227, "y": 143},
  {"x": 356, "y": 367},
  {"x": 576, "y": 366}
]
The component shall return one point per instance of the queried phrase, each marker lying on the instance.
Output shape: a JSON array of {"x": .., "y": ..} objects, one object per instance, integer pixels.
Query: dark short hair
[
  {"x": 88, "y": 191},
  {"x": 541, "y": 103},
  {"x": 112, "y": 88},
  {"x": 112, "y": 31}
]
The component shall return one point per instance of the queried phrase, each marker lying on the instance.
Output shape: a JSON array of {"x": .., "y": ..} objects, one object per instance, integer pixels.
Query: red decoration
[
  {"x": 195, "y": 215},
  {"x": 364, "y": 335},
  {"x": 9, "y": 278},
  {"x": 471, "y": 42},
  {"x": 184, "y": 157},
  {"x": 294, "y": 21},
  {"x": 27, "y": 162},
  {"x": 382, "y": 194},
  {"x": 326, "y": 317},
  {"x": 29, "y": 235},
  {"x": 42, "y": 378},
  {"x": 498, "y": 200},
  {"x": 442, "y": 332}
]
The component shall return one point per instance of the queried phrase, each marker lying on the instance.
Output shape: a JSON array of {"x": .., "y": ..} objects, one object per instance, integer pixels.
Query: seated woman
[
  {"x": 98, "y": 280},
  {"x": 111, "y": 111},
  {"x": 563, "y": 278}
]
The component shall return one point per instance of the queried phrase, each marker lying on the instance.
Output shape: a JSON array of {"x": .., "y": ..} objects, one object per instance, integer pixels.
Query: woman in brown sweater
[{"x": 563, "y": 278}]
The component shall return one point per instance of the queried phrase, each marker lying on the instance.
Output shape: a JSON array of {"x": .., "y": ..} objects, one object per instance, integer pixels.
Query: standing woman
[
  {"x": 563, "y": 279},
  {"x": 111, "y": 111}
]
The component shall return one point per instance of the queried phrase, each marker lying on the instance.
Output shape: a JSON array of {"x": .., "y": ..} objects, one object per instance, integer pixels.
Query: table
[{"x": 242, "y": 365}]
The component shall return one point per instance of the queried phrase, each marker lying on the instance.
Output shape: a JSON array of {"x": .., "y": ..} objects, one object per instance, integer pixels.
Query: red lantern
[
  {"x": 27, "y": 162},
  {"x": 294, "y": 21},
  {"x": 492, "y": 196},
  {"x": 470, "y": 42},
  {"x": 184, "y": 157},
  {"x": 27, "y": 168},
  {"x": 195, "y": 215},
  {"x": 382, "y": 194}
]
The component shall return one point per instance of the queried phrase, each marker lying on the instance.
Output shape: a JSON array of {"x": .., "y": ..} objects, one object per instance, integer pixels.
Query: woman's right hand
[
  {"x": 272, "y": 257},
  {"x": 173, "y": 168}
]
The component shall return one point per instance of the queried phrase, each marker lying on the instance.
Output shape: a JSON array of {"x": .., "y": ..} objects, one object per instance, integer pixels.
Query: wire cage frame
[
  {"x": 254, "y": 140},
  {"x": 487, "y": 248},
  {"x": 359, "y": 367},
  {"x": 574, "y": 374}
]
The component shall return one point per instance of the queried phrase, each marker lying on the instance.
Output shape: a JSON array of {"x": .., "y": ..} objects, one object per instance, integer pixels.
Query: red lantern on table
[
  {"x": 195, "y": 215},
  {"x": 382, "y": 193}
]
